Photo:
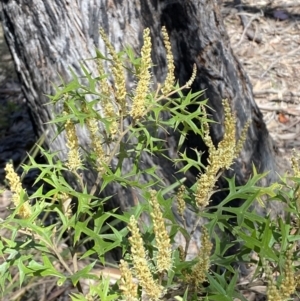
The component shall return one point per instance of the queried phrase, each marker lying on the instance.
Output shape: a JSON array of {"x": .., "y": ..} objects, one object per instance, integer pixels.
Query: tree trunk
[{"x": 48, "y": 37}]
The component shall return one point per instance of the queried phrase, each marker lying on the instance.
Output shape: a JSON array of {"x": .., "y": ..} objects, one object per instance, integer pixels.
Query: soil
[{"x": 265, "y": 36}]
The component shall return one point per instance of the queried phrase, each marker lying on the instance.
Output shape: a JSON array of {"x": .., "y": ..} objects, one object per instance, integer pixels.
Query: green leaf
[
  {"x": 77, "y": 297},
  {"x": 103, "y": 290},
  {"x": 83, "y": 274},
  {"x": 215, "y": 285},
  {"x": 232, "y": 285}
]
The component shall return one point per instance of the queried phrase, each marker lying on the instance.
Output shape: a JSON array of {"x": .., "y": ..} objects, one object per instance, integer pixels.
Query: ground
[
  {"x": 271, "y": 58},
  {"x": 272, "y": 63}
]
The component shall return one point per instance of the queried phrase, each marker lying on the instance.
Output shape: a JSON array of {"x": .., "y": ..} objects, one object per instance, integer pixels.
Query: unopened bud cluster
[
  {"x": 288, "y": 284},
  {"x": 180, "y": 201}
]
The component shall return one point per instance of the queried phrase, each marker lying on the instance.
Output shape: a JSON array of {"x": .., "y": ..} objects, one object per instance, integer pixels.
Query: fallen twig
[
  {"x": 252, "y": 35},
  {"x": 285, "y": 93},
  {"x": 292, "y": 110}
]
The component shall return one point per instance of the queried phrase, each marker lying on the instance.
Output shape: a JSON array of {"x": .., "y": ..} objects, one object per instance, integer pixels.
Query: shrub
[{"x": 153, "y": 266}]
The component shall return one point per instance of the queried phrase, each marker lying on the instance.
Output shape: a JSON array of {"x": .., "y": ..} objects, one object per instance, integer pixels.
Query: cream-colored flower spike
[
  {"x": 163, "y": 242},
  {"x": 198, "y": 273},
  {"x": 170, "y": 79},
  {"x": 110, "y": 113},
  {"x": 96, "y": 143},
  {"x": 16, "y": 188},
  {"x": 127, "y": 283},
  {"x": 220, "y": 157},
  {"x": 142, "y": 89},
  {"x": 140, "y": 265},
  {"x": 118, "y": 73},
  {"x": 74, "y": 159}
]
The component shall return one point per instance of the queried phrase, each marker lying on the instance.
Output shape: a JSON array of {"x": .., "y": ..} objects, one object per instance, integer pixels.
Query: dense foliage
[{"x": 153, "y": 266}]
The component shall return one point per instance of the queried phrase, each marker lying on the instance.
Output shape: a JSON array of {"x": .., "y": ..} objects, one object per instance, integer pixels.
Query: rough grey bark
[{"x": 47, "y": 37}]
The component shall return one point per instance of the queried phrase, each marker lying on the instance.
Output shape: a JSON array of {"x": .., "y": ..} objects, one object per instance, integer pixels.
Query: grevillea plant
[{"x": 152, "y": 267}]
